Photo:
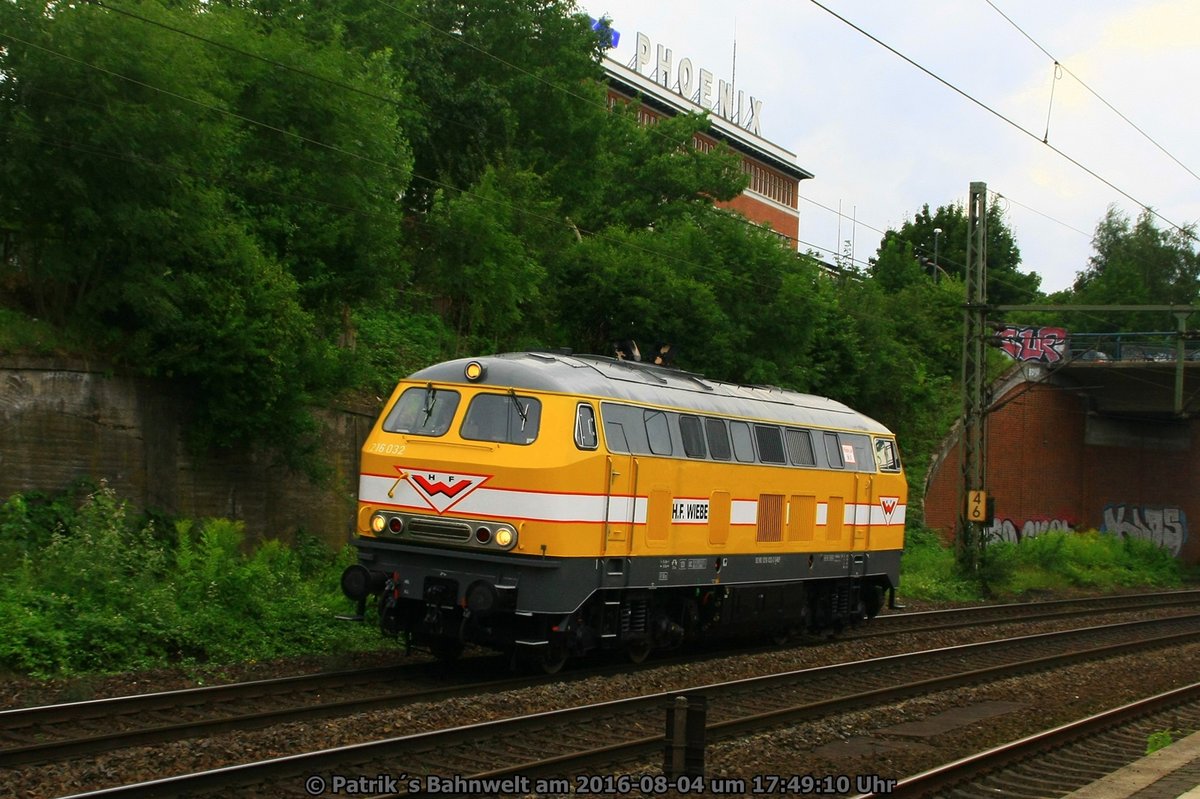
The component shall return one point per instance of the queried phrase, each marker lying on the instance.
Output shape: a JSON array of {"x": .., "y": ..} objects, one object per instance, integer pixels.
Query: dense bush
[
  {"x": 928, "y": 570},
  {"x": 1078, "y": 560},
  {"x": 89, "y": 589},
  {"x": 1050, "y": 562}
]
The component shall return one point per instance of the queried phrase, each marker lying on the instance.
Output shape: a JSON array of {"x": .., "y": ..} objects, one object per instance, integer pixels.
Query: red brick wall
[
  {"x": 1043, "y": 475},
  {"x": 787, "y": 224},
  {"x": 748, "y": 205}
]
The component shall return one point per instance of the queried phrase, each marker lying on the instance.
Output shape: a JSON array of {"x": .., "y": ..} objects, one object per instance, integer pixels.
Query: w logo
[
  {"x": 888, "y": 504},
  {"x": 442, "y": 490}
]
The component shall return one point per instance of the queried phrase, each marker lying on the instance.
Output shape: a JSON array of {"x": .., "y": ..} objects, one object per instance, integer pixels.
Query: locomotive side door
[
  {"x": 621, "y": 505},
  {"x": 620, "y": 481},
  {"x": 858, "y": 455},
  {"x": 863, "y": 501}
]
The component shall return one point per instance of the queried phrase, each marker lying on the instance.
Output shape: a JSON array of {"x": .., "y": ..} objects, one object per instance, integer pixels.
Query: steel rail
[
  {"x": 387, "y": 751},
  {"x": 964, "y": 769},
  {"x": 193, "y": 698}
]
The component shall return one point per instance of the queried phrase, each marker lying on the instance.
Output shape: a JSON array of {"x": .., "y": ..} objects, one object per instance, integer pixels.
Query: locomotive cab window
[
  {"x": 503, "y": 418},
  {"x": 423, "y": 411},
  {"x": 585, "y": 427},
  {"x": 856, "y": 452},
  {"x": 886, "y": 456},
  {"x": 624, "y": 429}
]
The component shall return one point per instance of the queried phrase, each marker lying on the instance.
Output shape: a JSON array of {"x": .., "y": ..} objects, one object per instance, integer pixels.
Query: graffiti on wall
[
  {"x": 1013, "y": 532},
  {"x": 1165, "y": 526},
  {"x": 1042, "y": 344}
]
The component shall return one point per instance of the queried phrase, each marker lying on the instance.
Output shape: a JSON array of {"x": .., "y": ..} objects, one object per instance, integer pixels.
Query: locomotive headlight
[
  {"x": 378, "y": 522},
  {"x": 475, "y": 371},
  {"x": 504, "y": 536}
]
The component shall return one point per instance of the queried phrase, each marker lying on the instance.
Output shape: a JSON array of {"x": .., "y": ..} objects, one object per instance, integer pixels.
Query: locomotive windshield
[
  {"x": 503, "y": 418},
  {"x": 423, "y": 411}
]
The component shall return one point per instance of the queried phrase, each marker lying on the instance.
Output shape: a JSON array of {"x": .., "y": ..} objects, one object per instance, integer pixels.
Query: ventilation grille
[
  {"x": 438, "y": 529},
  {"x": 770, "y": 517}
]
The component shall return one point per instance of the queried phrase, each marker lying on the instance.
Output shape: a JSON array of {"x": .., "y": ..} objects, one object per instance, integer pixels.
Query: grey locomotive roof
[{"x": 596, "y": 376}]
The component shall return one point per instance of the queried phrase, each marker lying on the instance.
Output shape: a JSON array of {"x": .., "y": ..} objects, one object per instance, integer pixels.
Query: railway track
[
  {"x": 921, "y": 621},
  {"x": 1056, "y": 762},
  {"x": 57, "y": 732},
  {"x": 605, "y": 736}
]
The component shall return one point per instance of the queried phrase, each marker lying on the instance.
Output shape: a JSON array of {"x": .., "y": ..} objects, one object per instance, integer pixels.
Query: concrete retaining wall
[{"x": 61, "y": 420}]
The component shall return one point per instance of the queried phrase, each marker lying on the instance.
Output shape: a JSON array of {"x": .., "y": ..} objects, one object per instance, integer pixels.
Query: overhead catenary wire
[
  {"x": 961, "y": 92},
  {"x": 1059, "y": 65}
]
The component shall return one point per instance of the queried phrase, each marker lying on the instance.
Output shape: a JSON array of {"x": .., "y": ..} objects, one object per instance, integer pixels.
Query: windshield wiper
[
  {"x": 512, "y": 394},
  {"x": 430, "y": 401}
]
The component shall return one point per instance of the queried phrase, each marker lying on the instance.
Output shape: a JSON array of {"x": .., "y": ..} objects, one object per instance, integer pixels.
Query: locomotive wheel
[
  {"x": 553, "y": 658},
  {"x": 860, "y": 613},
  {"x": 638, "y": 651},
  {"x": 446, "y": 649}
]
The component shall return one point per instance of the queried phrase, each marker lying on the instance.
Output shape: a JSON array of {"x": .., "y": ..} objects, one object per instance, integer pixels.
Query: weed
[
  {"x": 85, "y": 588},
  {"x": 1051, "y": 562},
  {"x": 1160, "y": 740}
]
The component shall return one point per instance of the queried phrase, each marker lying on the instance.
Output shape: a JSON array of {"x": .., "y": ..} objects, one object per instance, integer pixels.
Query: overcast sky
[{"x": 883, "y": 138}]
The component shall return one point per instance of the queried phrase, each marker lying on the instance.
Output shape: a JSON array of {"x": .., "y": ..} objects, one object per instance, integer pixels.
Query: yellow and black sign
[{"x": 977, "y": 507}]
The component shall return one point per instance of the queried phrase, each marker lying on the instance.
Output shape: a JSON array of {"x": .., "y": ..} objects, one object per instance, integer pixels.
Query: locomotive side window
[
  {"x": 770, "y": 444},
  {"x": 693, "y": 436},
  {"x": 833, "y": 451},
  {"x": 800, "y": 448},
  {"x": 718, "y": 439},
  {"x": 585, "y": 427},
  {"x": 503, "y": 418},
  {"x": 886, "y": 455},
  {"x": 743, "y": 442},
  {"x": 658, "y": 432},
  {"x": 423, "y": 411},
  {"x": 856, "y": 452}
]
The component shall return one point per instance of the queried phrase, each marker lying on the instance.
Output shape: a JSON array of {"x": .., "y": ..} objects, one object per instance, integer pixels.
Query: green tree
[
  {"x": 1135, "y": 263},
  {"x": 484, "y": 253},
  {"x": 900, "y": 361},
  {"x": 193, "y": 205},
  {"x": 500, "y": 80},
  {"x": 319, "y": 176},
  {"x": 1006, "y": 284},
  {"x": 647, "y": 174},
  {"x": 97, "y": 163}
]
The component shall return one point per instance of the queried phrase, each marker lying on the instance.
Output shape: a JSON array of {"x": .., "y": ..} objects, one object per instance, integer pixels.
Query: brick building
[
  {"x": 1087, "y": 446},
  {"x": 772, "y": 198}
]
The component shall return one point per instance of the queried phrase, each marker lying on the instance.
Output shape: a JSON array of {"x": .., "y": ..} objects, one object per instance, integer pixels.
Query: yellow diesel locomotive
[{"x": 550, "y": 505}]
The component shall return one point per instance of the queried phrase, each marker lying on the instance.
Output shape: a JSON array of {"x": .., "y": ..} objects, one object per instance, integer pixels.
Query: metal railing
[{"x": 1150, "y": 347}]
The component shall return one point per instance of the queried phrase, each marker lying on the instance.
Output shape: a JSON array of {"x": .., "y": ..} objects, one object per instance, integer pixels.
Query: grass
[
  {"x": 1053, "y": 562},
  {"x": 24, "y": 334},
  {"x": 1159, "y": 740},
  {"x": 87, "y": 589}
]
